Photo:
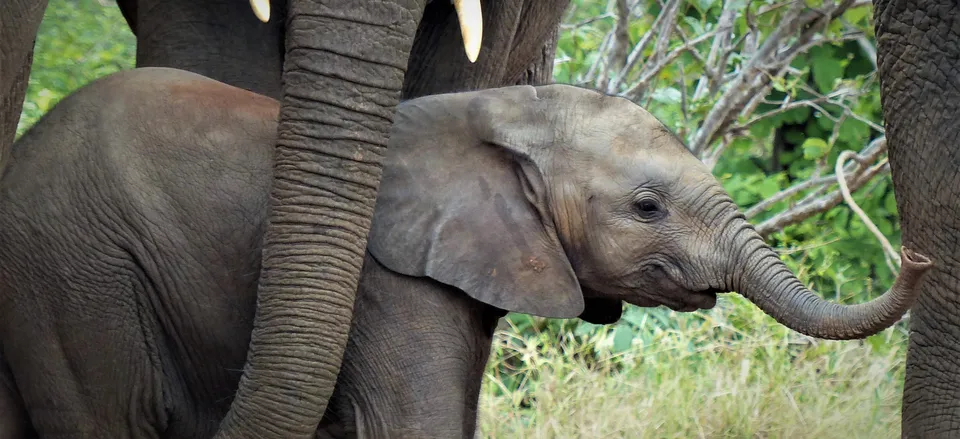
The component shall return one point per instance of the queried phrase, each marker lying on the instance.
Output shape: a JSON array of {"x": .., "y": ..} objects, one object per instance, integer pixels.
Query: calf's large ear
[{"x": 463, "y": 201}]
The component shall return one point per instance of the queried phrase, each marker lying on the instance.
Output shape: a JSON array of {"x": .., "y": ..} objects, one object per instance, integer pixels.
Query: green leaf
[
  {"x": 635, "y": 316},
  {"x": 767, "y": 188},
  {"x": 883, "y": 225},
  {"x": 794, "y": 136},
  {"x": 826, "y": 68},
  {"x": 585, "y": 328},
  {"x": 814, "y": 148},
  {"x": 695, "y": 24},
  {"x": 857, "y": 15},
  {"x": 878, "y": 342},
  {"x": 890, "y": 203},
  {"x": 779, "y": 84},
  {"x": 704, "y": 5},
  {"x": 667, "y": 95},
  {"x": 622, "y": 338},
  {"x": 853, "y": 131}
]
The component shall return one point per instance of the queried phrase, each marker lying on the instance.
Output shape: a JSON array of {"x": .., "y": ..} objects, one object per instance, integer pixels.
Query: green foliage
[{"x": 78, "y": 41}]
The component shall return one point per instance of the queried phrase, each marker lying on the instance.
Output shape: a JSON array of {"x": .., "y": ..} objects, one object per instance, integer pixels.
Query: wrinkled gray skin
[
  {"x": 919, "y": 68},
  {"x": 133, "y": 215},
  {"x": 344, "y": 66}
]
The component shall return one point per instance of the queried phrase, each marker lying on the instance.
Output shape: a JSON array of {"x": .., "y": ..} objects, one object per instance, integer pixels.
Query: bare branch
[
  {"x": 891, "y": 255},
  {"x": 870, "y": 153},
  {"x": 588, "y": 21},
  {"x": 672, "y": 7},
  {"x": 786, "y": 106},
  {"x": 768, "y": 62},
  {"x": 820, "y": 205},
  {"x": 719, "y": 51},
  {"x": 732, "y": 101},
  {"x": 787, "y": 193},
  {"x": 666, "y": 28},
  {"x": 598, "y": 63},
  {"x": 737, "y": 73},
  {"x": 617, "y": 55},
  {"x": 868, "y": 49},
  {"x": 639, "y": 87}
]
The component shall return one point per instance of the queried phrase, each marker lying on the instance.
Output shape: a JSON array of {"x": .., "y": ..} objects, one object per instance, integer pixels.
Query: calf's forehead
[{"x": 643, "y": 157}]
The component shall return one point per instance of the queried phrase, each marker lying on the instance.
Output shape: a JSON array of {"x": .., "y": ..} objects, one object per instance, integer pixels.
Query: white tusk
[
  {"x": 471, "y": 26},
  {"x": 261, "y": 8}
]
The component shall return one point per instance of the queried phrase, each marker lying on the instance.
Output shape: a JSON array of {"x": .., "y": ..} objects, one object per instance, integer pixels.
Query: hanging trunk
[
  {"x": 19, "y": 23},
  {"x": 343, "y": 71},
  {"x": 760, "y": 276}
]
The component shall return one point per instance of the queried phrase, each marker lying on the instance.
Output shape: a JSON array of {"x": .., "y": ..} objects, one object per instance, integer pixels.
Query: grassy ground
[{"x": 701, "y": 378}]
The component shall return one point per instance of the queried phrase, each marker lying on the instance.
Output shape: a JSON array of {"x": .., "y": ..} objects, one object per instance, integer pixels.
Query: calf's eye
[{"x": 648, "y": 208}]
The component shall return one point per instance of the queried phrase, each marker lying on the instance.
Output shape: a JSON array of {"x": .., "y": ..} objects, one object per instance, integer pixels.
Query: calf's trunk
[{"x": 759, "y": 275}]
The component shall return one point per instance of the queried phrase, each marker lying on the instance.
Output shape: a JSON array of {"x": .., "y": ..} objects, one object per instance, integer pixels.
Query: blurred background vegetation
[
  {"x": 79, "y": 41},
  {"x": 769, "y": 94}
]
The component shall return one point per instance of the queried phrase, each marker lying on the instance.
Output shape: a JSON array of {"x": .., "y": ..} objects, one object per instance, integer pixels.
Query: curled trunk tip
[
  {"x": 773, "y": 288},
  {"x": 915, "y": 262}
]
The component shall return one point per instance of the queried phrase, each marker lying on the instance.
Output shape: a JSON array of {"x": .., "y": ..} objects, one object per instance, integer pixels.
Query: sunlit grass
[{"x": 702, "y": 378}]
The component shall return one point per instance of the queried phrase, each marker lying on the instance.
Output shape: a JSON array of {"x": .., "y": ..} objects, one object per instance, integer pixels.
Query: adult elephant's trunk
[
  {"x": 760, "y": 275},
  {"x": 19, "y": 22},
  {"x": 342, "y": 76}
]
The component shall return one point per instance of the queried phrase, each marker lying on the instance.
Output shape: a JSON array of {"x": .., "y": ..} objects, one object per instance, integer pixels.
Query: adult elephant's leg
[
  {"x": 343, "y": 71},
  {"x": 19, "y": 23},
  {"x": 918, "y": 48},
  {"x": 415, "y": 360},
  {"x": 514, "y": 37},
  {"x": 220, "y": 39},
  {"x": 540, "y": 71}
]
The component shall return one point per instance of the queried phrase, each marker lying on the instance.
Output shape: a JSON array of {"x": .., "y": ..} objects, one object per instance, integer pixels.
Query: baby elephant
[{"x": 131, "y": 217}]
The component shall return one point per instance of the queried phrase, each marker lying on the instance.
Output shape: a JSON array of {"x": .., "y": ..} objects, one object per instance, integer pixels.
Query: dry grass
[{"x": 703, "y": 378}]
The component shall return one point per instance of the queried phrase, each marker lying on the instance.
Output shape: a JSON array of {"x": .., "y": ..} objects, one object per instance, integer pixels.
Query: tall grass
[{"x": 731, "y": 372}]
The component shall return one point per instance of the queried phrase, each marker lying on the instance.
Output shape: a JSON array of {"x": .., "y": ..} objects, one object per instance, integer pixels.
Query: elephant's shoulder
[{"x": 170, "y": 127}]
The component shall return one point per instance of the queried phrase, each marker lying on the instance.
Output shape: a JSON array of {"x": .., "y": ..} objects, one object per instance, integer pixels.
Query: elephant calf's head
[{"x": 537, "y": 199}]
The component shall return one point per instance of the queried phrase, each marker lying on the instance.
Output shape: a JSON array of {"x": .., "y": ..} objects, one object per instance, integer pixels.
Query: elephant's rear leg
[
  {"x": 14, "y": 422},
  {"x": 77, "y": 333}
]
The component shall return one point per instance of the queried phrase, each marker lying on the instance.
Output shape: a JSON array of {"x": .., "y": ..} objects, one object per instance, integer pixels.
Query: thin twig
[
  {"x": 820, "y": 205},
  {"x": 639, "y": 87},
  {"x": 891, "y": 254},
  {"x": 768, "y": 62},
  {"x": 637, "y": 51},
  {"x": 717, "y": 58},
  {"x": 870, "y": 153}
]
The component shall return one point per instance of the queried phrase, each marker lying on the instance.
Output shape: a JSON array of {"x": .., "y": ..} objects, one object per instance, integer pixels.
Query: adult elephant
[
  {"x": 338, "y": 68},
  {"x": 919, "y": 65}
]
